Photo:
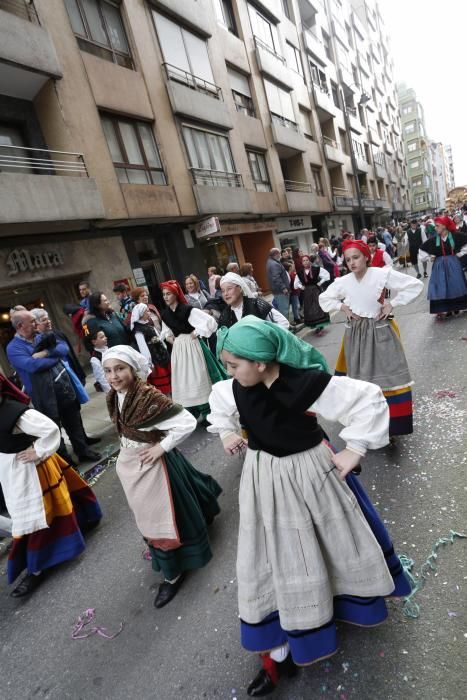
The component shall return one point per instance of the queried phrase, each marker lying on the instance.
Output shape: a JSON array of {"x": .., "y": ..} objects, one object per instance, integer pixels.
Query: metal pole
[{"x": 361, "y": 213}]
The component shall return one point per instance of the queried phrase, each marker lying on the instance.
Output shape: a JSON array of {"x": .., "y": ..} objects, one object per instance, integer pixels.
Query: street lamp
[{"x": 364, "y": 98}]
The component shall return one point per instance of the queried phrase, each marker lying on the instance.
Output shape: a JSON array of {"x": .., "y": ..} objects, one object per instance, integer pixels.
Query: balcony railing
[
  {"x": 262, "y": 45},
  {"x": 216, "y": 178},
  {"x": 342, "y": 197},
  {"x": 352, "y": 111},
  {"x": 331, "y": 142},
  {"x": 368, "y": 203},
  {"x": 21, "y": 8},
  {"x": 322, "y": 88},
  {"x": 296, "y": 186},
  {"x": 41, "y": 161},
  {"x": 178, "y": 75},
  {"x": 284, "y": 122}
]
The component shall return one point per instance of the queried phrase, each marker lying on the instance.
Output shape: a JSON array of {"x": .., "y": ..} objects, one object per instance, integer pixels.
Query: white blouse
[
  {"x": 324, "y": 276},
  {"x": 204, "y": 324},
  {"x": 34, "y": 423},
  {"x": 178, "y": 427},
  {"x": 359, "y": 406},
  {"x": 363, "y": 296},
  {"x": 274, "y": 316}
]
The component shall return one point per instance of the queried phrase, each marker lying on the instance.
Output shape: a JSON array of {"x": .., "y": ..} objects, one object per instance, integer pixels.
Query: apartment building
[
  {"x": 146, "y": 139},
  {"x": 439, "y": 166},
  {"x": 417, "y": 151},
  {"x": 451, "y": 180}
]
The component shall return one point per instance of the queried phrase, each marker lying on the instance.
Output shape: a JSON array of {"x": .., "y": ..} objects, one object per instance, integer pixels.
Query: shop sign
[
  {"x": 22, "y": 260},
  {"x": 293, "y": 223},
  {"x": 138, "y": 274},
  {"x": 208, "y": 227}
]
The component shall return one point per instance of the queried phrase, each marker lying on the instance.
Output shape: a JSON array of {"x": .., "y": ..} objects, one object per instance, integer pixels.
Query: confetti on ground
[
  {"x": 381, "y": 653},
  {"x": 85, "y": 619},
  {"x": 445, "y": 393},
  {"x": 451, "y": 613},
  {"x": 93, "y": 475}
]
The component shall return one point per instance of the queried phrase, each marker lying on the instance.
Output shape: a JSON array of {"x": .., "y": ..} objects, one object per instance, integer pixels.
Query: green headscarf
[{"x": 263, "y": 341}]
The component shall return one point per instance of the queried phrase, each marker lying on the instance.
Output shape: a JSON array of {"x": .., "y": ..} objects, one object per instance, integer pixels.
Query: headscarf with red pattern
[
  {"x": 9, "y": 391},
  {"x": 360, "y": 245},
  {"x": 174, "y": 287}
]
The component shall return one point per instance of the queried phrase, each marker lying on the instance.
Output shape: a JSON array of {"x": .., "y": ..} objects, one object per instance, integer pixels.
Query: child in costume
[
  {"x": 311, "y": 547},
  {"x": 172, "y": 502},
  {"x": 371, "y": 348}
]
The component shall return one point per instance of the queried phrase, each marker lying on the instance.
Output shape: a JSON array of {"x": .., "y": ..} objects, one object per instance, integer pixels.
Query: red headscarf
[
  {"x": 174, "y": 287},
  {"x": 447, "y": 222},
  {"x": 360, "y": 245},
  {"x": 9, "y": 391}
]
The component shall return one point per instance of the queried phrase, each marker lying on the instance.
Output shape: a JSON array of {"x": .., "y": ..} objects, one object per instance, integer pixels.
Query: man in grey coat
[{"x": 279, "y": 281}]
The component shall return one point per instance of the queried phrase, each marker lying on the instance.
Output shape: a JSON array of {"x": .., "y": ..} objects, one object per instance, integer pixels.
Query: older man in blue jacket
[{"x": 57, "y": 399}]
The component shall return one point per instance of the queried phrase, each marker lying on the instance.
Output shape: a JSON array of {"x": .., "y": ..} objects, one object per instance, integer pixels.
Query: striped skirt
[
  {"x": 399, "y": 399},
  {"x": 69, "y": 505},
  {"x": 160, "y": 377}
]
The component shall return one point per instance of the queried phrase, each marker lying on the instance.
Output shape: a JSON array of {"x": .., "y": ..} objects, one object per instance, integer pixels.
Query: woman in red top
[{"x": 379, "y": 257}]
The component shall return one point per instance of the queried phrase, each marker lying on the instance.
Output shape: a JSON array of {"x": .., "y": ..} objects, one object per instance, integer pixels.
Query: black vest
[
  {"x": 312, "y": 278},
  {"x": 276, "y": 419},
  {"x": 10, "y": 412},
  {"x": 254, "y": 307},
  {"x": 177, "y": 320}
]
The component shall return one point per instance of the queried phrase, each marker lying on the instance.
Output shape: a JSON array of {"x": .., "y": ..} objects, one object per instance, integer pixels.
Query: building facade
[
  {"x": 439, "y": 167},
  {"x": 147, "y": 139},
  {"x": 451, "y": 180},
  {"x": 417, "y": 152}
]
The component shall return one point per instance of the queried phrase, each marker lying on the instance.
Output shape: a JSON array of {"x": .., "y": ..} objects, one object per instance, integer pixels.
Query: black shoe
[
  {"x": 261, "y": 685},
  {"x": 92, "y": 440},
  {"x": 167, "y": 591},
  {"x": 425, "y": 274},
  {"x": 89, "y": 456},
  {"x": 419, "y": 276},
  {"x": 27, "y": 585}
]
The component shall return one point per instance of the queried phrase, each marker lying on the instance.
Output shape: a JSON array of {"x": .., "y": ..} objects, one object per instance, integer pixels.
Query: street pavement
[{"x": 191, "y": 649}]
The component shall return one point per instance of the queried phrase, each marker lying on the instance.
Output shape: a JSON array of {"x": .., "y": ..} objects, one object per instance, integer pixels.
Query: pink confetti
[
  {"x": 445, "y": 393},
  {"x": 381, "y": 653},
  {"x": 86, "y": 618}
]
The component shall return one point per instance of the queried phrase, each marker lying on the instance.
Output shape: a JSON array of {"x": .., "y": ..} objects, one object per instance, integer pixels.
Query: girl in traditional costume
[
  {"x": 447, "y": 288},
  {"x": 48, "y": 502},
  {"x": 148, "y": 337},
  {"x": 241, "y": 301},
  {"x": 371, "y": 349},
  {"x": 194, "y": 367},
  {"x": 310, "y": 280},
  {"x": 172, "y": 502},
  {"x": 311, "y": 547}
]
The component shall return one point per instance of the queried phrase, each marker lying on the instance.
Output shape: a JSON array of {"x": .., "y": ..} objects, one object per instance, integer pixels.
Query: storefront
[
  {"x": 47, "y": 275},
  {"x": 223, "y": 242},
  {"x": 295, "y": 232}
]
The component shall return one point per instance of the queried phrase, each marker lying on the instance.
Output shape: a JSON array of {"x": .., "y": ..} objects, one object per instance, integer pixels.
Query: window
[
  {"x": 264, "y": 30},
  {"x": 280, "y": 104},
  {"x": 419, "y": 199},
  {"x": 409, "y": 128},
  {"x": 412, "y": 146},
  {"x": 417, "y": 182},
  {"x": 134, "y": 151},
  {"x": 99, "y": 29},
  {"x": 224, "y": 14},
  {"x": 414, "y": 164},
  {"x": 318, "y": 185},
  {"x": 319, "y": 77},
  {"x": 408, "y": 109},
  {"x": 210, "y": 156},
  {"x": 286, "y": 9},
  {"x": 11, "y": 136},
  {"x": 327, "y": 46},
  {"x": 335, "y": 95},
  {"x": 241, "y": 92},
  {"x": 294, "y": 59},
  {"x": 305, "y": 123},
  {"x": 259, "y": 171},
  {"x": 185, "y": 52}
]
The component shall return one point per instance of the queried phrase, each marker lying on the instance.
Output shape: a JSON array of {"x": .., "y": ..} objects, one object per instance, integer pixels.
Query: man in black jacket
[
  {"x": 279, "y": 281},
  {"x": 415, "y": 237}
]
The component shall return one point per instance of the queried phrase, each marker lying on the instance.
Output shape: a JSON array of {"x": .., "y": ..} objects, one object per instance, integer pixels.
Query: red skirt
[{"x": 160, "y": 377}]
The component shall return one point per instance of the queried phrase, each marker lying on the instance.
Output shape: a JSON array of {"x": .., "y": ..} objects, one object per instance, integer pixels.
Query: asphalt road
[{"x": 191, "y": 649}]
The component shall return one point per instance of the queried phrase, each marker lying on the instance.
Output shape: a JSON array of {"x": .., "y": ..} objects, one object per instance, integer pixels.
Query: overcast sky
[{"x": 429, "y": 46}]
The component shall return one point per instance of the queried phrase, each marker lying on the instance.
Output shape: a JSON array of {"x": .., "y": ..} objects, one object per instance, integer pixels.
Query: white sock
[
  {"x": 279, "y": 654},
  {"x": 173, "y": 580}
]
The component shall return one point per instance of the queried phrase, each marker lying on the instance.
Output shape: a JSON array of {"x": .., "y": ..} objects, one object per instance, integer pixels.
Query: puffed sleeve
[
  {"x": 178, "y": 428},
  {"x": 276, "y": 317},
  {"x": 203, "y": 323},
  {"x": 143, "y": 347},
  {"x": 408, "y": 288},
  {"x": 331, "y": 299},
  {"x": 166, "y": 332},
  {"x": 36, "y": 424},
  {"x": 224, "y": 416},
  {"x": 361, "y": 408}
]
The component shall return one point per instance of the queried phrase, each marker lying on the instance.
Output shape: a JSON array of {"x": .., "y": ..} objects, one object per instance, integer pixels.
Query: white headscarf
[
  {"x": 135, "y": 359},
  {"x": 233, "y": 278},
  {"x": 136, "y": 314}
]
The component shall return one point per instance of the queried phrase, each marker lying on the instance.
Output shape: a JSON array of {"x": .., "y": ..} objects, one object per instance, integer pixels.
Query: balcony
[
  {"x": 374, "y": 136},
  {"x": 368, "y": 203},
  {"x": 382, "y": 204},
  {"x": 383, "y": 117},
  {"x": 324, "y": 102},
  {"x": 197, "y": 14},
  {"x": 333, "y": 152},
  {"x": 218, "y": 192},
  {"x": 38, "y": 184},
  {"x": 27, "y": 54},
  {"x": 362, "y": 165},
  {"x": 380, "y": 169},
  {"x": 343, "y": 199},
  {"x": 315, "y": 46},
  {"x": 301, "y": 197},
  {"x": 194, "y": 97},
  {"x": 272, "y": 64},
  {"x": 339, "y": 31},
  {"x": 392, "y": 176},
  {"x": 288, "y": 139},
  {"x": 403, "y": 181},
  {"x": 354, "y": 120},
  {"x": 388, "y": 147}
]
